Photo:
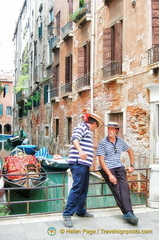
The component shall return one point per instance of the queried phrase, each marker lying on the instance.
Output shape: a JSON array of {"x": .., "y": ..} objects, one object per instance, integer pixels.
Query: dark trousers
[
  {"x": 78, "y": 193},
  {"x": 120, "y": 191}
]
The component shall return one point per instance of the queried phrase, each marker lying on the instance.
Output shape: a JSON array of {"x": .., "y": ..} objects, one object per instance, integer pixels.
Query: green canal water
[{"x": 94, "y": 199}]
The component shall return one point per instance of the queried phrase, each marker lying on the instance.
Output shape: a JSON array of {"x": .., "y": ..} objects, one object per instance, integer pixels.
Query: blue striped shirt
[
  {"x": 112, "y": 152},
  {"x": 83, "y": 134}
]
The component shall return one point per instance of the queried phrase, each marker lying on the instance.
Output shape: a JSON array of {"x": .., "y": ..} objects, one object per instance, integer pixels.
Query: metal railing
[
  {"x": 83, "y": 81},
  {"x": 54, "y": 41},
  {"x": 67, "y": 28},
  {"x": 67, "y": 88},
  {"x": 138, "y": 192},
  {"x": 111, "y": 69},
  {"x": 153, "y": 55},
  {"x": 54, "y": 92}
]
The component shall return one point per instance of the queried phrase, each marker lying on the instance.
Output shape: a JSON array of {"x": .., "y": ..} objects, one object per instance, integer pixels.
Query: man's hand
[
  {"x": 130, "y": 170},
  {"x": 113, "y": 179},
  {"x": 82, "y": 154}
]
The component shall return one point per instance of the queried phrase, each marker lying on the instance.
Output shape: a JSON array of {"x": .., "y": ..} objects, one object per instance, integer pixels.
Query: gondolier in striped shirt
[
  {"x": 80, "y": 160},
  {"x": 109, "y": 151}
]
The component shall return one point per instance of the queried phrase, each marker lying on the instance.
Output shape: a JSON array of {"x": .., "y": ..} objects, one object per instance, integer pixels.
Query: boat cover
[{"x": 19, "y": 164}]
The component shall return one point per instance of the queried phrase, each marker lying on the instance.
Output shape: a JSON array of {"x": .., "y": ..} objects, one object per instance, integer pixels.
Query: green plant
[
  {"x": 81, "y": 3},
  {"x": 1, "y": 88},
  {"x": 21, "y": 84},
  {"x": 78, "y": 14}
]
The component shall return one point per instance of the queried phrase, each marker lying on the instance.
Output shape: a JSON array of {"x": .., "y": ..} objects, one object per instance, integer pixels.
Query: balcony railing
[
  {"x": 38, "y": 73},
  {"x": 81, "y": 12},
  {"x": 153, "y": 55},
  {"x": 111, "y": 69},
  {"x": 66, "y": 89},
  {"x": 19, "y": 95},
  {"x": 83, "y": 83},
  {"x": 54, "y": 92},
  {"x": 54, "y": 42},
  {"x": 67, "y": 30}
]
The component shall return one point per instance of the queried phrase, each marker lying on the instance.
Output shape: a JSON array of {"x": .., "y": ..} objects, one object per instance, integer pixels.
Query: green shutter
[
  {"x": 1, "y": 109},
  {"x": 46, "y": 94}
]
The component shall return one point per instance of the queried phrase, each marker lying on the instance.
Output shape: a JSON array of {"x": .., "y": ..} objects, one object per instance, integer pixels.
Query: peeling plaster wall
[{"x": 131, "y": 96}]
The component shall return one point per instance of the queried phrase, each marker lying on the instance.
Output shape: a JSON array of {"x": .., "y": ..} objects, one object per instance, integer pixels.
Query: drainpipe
[{"x": 92, "y": 52}]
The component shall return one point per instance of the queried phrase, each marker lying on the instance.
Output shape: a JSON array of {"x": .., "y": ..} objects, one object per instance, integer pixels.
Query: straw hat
[
  {"x": 94, "y": 116},
  {"x": 113, "y": 124}
]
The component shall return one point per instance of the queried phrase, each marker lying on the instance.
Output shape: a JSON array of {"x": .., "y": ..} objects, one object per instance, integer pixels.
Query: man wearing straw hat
[
  {"x": 80, "y": 160},
  {"x": 109, "y": 152}
]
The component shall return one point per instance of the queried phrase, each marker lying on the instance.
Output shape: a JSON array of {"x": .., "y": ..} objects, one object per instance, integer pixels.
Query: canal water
[{"x": 94, "y": 199}]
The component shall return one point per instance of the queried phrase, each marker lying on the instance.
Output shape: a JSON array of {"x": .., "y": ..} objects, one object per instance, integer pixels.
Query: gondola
[
  {"x": 23, "y": 173},
  {"x": 52, "y": 162}
]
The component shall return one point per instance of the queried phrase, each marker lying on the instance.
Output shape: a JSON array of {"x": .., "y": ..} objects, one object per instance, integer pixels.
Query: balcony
[
  {"x": 21, "y": 97},
  {"x": 55, "y": 43},
  {"x": 83, "y": 83},
  {"x": 67, "y": 30},
  {"x": 112, "y": 71},
  {"x": 82, "y": 14},
  {"x": 66, "y": 90},
  {"x": 54, "y": 94},
  {"x": 153, "y": 58}
]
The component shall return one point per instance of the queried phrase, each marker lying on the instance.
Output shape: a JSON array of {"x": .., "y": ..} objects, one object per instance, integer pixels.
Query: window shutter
[
  {"x": 118, "y": 42},
  {"x": 65, "y": 130},
  {"x": 80, "y": 62},
  {"x": 1, "y": 109},
  {"x": 106, "y": 45},
  {"x": 87, "y": 58},
  {"x": 155, "y": 23},
  {"x": 70, "y": 6},
  {"x": 46, "y": 94}
]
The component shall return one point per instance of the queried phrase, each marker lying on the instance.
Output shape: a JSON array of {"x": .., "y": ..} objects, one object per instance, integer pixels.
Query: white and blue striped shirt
[
  {"x": 83, "y": 134},
  {"x": 112, "y": 152}
]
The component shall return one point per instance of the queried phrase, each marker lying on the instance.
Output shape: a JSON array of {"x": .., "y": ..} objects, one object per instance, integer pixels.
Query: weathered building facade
[
  {"x": 100, "y": 56},
  {"x": 6, "y": 103}
]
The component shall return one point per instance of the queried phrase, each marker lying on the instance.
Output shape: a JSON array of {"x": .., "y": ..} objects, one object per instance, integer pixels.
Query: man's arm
[
  {"x": 131, "y": 157},
  {"x": 104, "y": 167},
  {"x": 82, "y": 154}
]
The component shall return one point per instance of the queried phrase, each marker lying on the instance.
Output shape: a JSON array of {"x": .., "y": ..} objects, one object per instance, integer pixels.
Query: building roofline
[{"x": 21, "y": 12}]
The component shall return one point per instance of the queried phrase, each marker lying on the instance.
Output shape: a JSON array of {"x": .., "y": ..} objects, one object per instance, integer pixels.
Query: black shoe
[
  {"x": 67, "y": 221},
  {"x": 87, "y": 214},
  {"x": 130, "y": 218}
]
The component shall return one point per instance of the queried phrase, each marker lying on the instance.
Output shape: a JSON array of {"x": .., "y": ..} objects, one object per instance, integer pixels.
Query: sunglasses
[{"x": 115, "y": 149}]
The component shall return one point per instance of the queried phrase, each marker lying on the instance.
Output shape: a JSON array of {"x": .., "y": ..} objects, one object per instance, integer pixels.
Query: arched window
[{"x": 7, "y": 129}]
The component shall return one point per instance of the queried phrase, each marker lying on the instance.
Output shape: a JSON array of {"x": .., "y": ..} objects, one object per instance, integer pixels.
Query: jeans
[{"x": 78, "y": 193}]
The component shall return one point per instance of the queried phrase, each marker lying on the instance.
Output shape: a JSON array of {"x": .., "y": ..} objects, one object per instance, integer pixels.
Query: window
[
  {"x": 46, "y": 94},
  {"x": 69, "y": 129},
  {"x": 56, "y": 128},
  {"x": 51, "y": 15},
  {"x": 1, "y": 109},
  {"x": 46, "y": 131},
  {"x": 112, "y": 50},
  {"x": 6, "y": 88},
  {"x": 40, "y": 24},
  {"x": 40, "y": 29},
  {"x": 84, "y": 60},
  {"x": 68, "y": 73},
  {"x": 58, "y": 23},
  {"x": 50, "y": 51},
  {"x": 55, "y": 90},
  {"x": 8, "y": 110}
]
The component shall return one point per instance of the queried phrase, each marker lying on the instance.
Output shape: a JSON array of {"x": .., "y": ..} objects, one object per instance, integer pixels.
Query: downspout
[{"x": 92, "y": 53}]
